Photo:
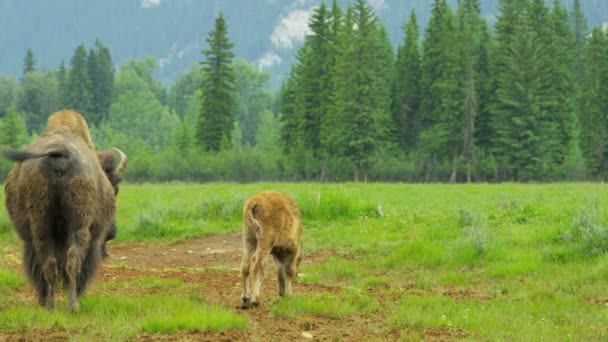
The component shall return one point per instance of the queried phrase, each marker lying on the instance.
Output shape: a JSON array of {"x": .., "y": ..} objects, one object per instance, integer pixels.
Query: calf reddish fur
[
  {"x": 271, "y": 226},
  {"x": 62, "y": 206}
]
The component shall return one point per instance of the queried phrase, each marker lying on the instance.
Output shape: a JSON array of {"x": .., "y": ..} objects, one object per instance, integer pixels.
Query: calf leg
[
  {"x": 289, "y": 270},
  {"x": 256, "y": 272},
  {"x": 111, "y": 235},
  {"x": 81, "y": 240},
  {"x": 280, "y": 275},
  {"x": 248, "y": 250}
]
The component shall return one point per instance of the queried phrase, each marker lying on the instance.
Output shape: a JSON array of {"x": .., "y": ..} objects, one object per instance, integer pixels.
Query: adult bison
[{"x": 62, "y": 205}]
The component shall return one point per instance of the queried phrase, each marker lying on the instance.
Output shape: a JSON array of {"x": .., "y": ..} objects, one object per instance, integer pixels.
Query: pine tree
[
  {"x": 217, "y": 116},
  {"x": 407, "y": 92},
  {"x": 79, "y": 84},
  {"x": 29, "y": 63}
]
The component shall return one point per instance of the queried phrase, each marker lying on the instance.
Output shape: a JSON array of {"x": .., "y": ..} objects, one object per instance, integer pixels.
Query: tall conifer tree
[
  {"x": 79, "y": 84},
  {"x": 29, "y": 62},
  {"x": 217, "y": 117},
  {"x": 407, "y": 93}
]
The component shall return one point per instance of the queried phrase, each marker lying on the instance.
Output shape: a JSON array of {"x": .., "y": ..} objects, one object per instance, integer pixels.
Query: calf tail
[{"x": 250, "y": 220}]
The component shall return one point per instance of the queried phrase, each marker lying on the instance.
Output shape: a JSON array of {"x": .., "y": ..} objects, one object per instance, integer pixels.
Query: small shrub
[{"x": 589, "y": 232}]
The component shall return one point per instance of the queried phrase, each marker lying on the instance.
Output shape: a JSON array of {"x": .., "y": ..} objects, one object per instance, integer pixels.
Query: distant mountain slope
[{"x": 266, "y": 32}]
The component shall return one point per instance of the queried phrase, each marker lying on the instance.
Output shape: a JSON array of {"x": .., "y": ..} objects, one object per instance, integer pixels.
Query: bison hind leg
[
  {"x": 89, "y": 267},
  {"x": 33, "y": 270}
]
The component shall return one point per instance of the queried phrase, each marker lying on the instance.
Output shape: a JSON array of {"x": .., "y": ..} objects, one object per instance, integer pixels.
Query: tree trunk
[
  {"x": 356, "y": 177},
  {"x": 323, "y": 173}
]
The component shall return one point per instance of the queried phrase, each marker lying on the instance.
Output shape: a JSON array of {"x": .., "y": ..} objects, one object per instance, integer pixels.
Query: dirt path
[{"x": 212, "y": 263}]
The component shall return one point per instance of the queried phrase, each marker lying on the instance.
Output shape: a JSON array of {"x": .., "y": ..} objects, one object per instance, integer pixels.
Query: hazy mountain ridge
[{"x": 265, "y": 32}]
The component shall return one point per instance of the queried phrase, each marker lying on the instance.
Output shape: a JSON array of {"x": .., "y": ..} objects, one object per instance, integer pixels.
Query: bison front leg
[{"x": 75, "y": 258}]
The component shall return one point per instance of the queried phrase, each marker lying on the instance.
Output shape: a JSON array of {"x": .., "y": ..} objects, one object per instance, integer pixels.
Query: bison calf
[{"x": 271, "y": 226}]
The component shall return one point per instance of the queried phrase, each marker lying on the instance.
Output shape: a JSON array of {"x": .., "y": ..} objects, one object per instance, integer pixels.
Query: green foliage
[
  {"x": 37, "y": 98},
  {"x": 251, "y": 97},
  {"x": 13, "y": 132}
]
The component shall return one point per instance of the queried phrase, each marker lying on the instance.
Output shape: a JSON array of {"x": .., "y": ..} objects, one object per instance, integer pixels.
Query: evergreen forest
[{"x": 523, "y": 98}]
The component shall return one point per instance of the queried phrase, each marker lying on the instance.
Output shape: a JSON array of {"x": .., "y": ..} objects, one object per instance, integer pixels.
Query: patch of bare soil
[{"x": 212, "y": 263}]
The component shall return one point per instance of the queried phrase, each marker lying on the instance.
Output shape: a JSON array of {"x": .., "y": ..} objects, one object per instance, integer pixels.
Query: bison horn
[{"x": 120, "y": 161}]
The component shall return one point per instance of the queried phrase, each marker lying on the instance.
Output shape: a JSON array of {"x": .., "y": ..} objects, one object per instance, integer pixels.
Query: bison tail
[{"x": 16, "y": 155}]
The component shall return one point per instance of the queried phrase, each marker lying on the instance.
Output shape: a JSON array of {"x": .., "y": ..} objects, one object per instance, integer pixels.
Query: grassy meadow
[{"x": 487, "y": 262}]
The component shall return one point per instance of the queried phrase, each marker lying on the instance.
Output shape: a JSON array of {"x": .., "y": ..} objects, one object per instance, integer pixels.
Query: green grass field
[{"x": 486, "y": 262}]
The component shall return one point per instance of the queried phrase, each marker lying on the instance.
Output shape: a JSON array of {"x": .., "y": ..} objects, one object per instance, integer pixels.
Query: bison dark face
[{"x": 113, "y": 162}]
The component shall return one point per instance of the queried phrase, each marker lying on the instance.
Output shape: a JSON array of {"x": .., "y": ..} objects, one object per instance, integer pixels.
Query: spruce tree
[
  {"x": 79, "y": 84},
  {"x": 593, "y": 119},
  {"x": 29, "y": 63},
  {"x": 329, "y": 120},
  {"x": 407, "y": 93},
  {"x": 518, "y": 117},
  {"x": 287, "y": 109},
  {"x": 101, "y": 73},
  {"x": 62, "y": 83},
  {"x": 216, "y": 120},
  {"x": 363, "y": 96}
]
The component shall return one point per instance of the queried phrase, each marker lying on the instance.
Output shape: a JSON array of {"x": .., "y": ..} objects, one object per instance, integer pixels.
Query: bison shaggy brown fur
[
  {"x": 271, "y": 226},
  {"x": 62, "y": 205}
]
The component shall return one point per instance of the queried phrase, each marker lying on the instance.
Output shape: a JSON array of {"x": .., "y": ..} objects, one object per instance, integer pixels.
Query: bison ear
[{"x": 119, "y": 162}]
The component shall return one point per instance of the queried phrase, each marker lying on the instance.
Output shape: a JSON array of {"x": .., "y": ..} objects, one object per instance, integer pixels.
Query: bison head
[{"x": 113, "y": 162}]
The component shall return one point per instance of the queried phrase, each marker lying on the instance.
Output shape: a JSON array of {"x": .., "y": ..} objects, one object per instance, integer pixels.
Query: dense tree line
[
  {"x": 457, "y": 101},
  {"x": 521, "y": 102}
]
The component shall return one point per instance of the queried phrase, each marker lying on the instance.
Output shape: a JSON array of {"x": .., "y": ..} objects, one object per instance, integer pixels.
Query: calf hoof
[
  {"x": 73, "y": 307},
  {"x": 245, "y": 304},
  {"x": 255, "y": 304}
]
